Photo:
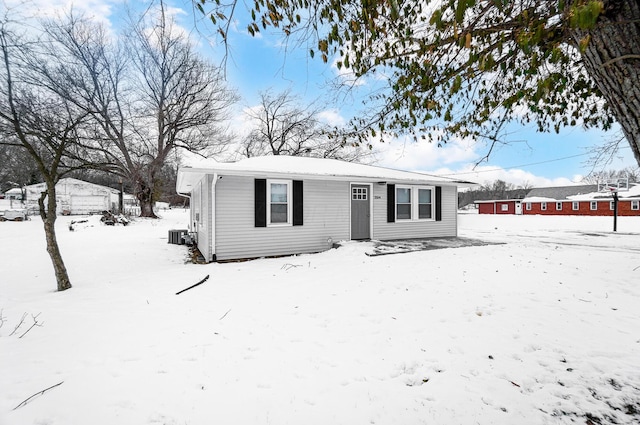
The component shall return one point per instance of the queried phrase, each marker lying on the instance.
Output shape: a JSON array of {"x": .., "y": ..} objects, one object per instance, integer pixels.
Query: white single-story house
[
  {"x": 282, "y": 205},
  {"x": 75, "y": 197}
]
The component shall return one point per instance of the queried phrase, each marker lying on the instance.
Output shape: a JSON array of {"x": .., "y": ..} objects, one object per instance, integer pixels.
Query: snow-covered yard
[{"x": 543, "y": 329}]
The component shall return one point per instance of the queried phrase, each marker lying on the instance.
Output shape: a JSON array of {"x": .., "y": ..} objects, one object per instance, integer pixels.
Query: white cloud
[
  {"x": 515, "y": 176},
  {"x": 346, "y": 75},
  {"x": 100, "y": 10},
  {"x": 404, "y": 153},
  {"x": 332, "y": 117},
  {"x": 457, "y": 159}
]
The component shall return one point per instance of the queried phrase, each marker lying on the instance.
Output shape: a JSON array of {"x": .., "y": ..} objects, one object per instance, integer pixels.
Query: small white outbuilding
[{"x": 75, "y": 197}]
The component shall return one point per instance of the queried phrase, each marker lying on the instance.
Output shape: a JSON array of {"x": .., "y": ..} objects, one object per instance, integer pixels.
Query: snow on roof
[
  {"x": 71, "y": 182},
  {"x": 539, "y": 199},
  {"x": 491, "y": 201},
  {"x": 280, "y": 165},
  {"x": 577, "y": 193},
  {"x": 15, "y": 190},
  {"x": 633, "y": 192}
]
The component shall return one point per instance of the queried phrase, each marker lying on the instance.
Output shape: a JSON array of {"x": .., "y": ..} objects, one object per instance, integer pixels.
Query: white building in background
[
  {"x": 14, "y": 194},
  {"x": 75, "y": 197}
]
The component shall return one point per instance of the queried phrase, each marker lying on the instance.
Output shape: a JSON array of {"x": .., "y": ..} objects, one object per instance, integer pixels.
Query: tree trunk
[
  {"x": 48, "y": 215},
  {"x": 612, "y": 58},
  {"x": 145, "y": 198}
]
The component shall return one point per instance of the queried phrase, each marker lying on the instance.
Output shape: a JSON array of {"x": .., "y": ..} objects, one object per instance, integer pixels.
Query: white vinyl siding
[
  {"x": 201, "y": 216},
  {"x": 326, "y": 216},
  {"x": 382, "y": 230},
  {"x": 326, "y": 219}
]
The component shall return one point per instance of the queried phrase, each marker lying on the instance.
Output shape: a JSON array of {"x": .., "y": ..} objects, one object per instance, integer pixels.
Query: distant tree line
[
  {"x": 632, "y": 173},
  {"x": 498, "y": 189}
]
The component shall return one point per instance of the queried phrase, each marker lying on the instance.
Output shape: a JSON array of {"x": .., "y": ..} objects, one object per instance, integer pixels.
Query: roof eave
[{"x": 185, "y": 185}]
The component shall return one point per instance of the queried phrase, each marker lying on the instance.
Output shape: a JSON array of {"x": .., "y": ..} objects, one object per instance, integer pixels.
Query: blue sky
[{"x": 261, "y": 63}]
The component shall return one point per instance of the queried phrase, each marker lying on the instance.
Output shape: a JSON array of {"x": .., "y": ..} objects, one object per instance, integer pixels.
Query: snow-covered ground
[{"x": 543, "y": 329}]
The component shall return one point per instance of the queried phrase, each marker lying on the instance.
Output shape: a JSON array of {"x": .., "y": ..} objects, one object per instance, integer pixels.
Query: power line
[{"x": 524, "y": 165}]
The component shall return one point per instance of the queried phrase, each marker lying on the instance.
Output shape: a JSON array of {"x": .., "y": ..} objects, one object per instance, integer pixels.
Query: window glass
[
  {"x": 403, "y": 202},
  {"x": 635, "y": 205},
  {"x": 278, "y": 213},
  {"x": 359, "y": 193},
  {"x": 404, "y": 211},
  {"x": 279, "y": 192},
  {"x": 403, "y": 196},
  {"x": 424, "y": 203},
  {"x": 576, "y": 206},
  {"x": 279, "y": 205},
  {"x": 424, "y": 196},
  {"x": 424, "y": 211}
]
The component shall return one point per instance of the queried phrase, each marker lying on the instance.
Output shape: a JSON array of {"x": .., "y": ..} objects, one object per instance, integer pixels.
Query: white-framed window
[
  {"x": 635, "y": 205},
  {"x": 575, "y": 205},
  {"x": 558, "y": 206},
  {"x": 612, "y": 205},
  {"x": 403, "y": 203},
  {"x": 278, "y": 202},
  {"x": 593, "y": 205},
  {"x": 425, "y": 203},
  {"x": 359, "y": 193},
  {"x": 504, "y": 207},
  {"x": 414, "y": 203},
  {"x": 527, "y": 206},
  {"x": 543, "y": 206}
]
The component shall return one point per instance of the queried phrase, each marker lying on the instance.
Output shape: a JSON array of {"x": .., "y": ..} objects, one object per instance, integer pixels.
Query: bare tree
[
  {"x": 18, "y": 168},
  {"x": 147, "y": 95},
  {"x": 498, "y": 189},
  {"x": 283, "y": 127},
  {"x": 42, "y": 124},
  {"x": 632, "y": 173}
]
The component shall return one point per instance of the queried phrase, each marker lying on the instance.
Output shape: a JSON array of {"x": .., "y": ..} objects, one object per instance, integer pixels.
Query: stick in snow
[
  {"x": 193, "y": 286},
  {"x": 37, "y": 394},
  {"x": 225, "y": 315}
]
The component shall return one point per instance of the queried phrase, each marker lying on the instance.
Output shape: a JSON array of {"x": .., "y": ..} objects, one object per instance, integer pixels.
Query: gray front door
[{"x": 360, "y": 212}]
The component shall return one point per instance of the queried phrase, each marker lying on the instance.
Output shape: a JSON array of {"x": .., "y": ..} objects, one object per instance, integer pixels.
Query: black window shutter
[
  {"x": 298, "y": 210},
  {"x": 391, "y": 203},
  {"x": 438, "y": 203},
  {"x": 261, "y": 202}
]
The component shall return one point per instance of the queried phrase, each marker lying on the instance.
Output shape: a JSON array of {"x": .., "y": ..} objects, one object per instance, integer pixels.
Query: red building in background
[
  {"x": 566, "y": 200},
  {"x": 503, "y": 206}
]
